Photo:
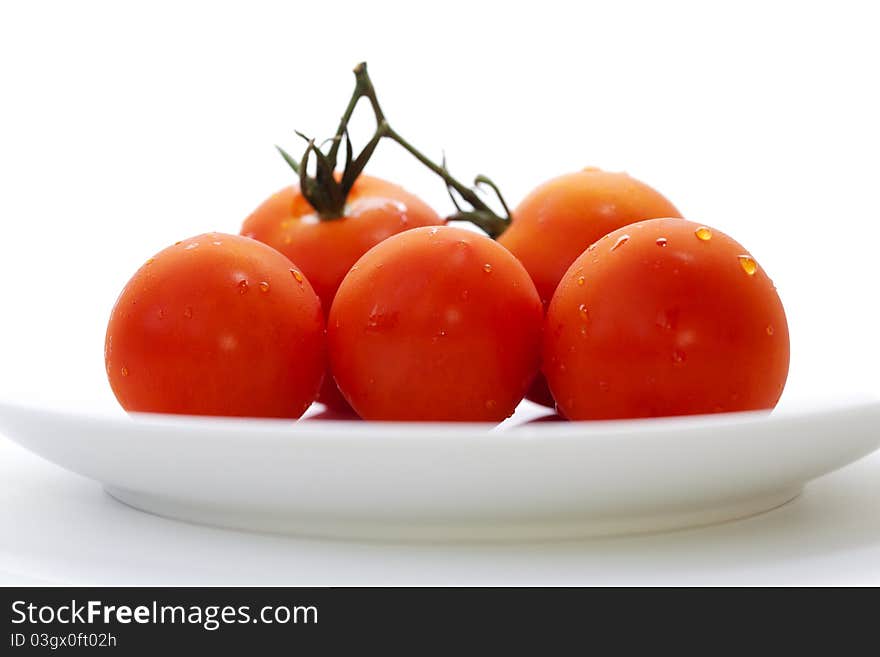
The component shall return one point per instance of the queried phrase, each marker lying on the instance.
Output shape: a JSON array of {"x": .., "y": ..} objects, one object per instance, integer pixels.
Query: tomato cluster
[{"x": 596, "y": 296}]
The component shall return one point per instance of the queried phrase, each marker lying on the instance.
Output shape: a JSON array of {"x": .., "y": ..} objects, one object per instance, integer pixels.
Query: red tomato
[
  {"x": 217, "y": 325},
  {"x": 327, "y": 249},
  {"x": 557, "y": 221},
  {"x": 665, "y": 317},
  {"x": 435, "y": 324}
]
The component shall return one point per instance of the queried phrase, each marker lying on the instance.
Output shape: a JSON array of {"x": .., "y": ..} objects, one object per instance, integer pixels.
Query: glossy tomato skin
[
  {"x": 217, "y": 325},
  {"x": 665, "y": 317},
  {"x": 435, "y": 324},
  {"x": 559, "y": 219},
  {"x": 326, "y": 250}
]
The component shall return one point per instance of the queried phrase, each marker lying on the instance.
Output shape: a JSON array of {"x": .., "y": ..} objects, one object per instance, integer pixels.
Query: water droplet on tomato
[
  {"x": 374, "y": 318},
  {"x": 150, "y": 261},
  {"x": 487, "y": 268},
  {"x": 297, "y": 276},
  {"x": 264, "y": 286},
  {"x": 668, "y": 319},
  {"x": 678, "y": 356},
  {"x": 748, "y": 264},
  {"x": 178, "y": 243},
  {"x": 703, "y": 234},
  {"x": 661, "y": 241},
  {"x": 191, "y": 246},
  {"x": 769, "y": 330},
  {"x": 124, "y": 371},
  {"x": 584, "y": 312},
  {"x": 242, "y": 286},
  {"x": 188, "y": 312},
  {"x": 581, "y": 280},
  {"x": 623, "y": 239}
]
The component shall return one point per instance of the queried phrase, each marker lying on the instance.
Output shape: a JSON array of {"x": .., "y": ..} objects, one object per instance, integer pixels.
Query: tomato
[
  {"x": 665, "y": 317},
  {"x": 558, "y": 220},
  {"x": 435, "y": 324},
  {"x": 217, "y": 325},
  {"x": 327, "y": 249}
]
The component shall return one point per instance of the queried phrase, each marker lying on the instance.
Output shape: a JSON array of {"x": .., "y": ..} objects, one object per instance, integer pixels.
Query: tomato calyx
[{"x": 327, "y": 192}]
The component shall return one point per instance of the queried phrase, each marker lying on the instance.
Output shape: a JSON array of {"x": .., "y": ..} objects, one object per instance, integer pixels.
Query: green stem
[
  {"x": 481, "y": 215},
  {"x": 328, "y": 196},
  {"x": 346, "y": 116}
]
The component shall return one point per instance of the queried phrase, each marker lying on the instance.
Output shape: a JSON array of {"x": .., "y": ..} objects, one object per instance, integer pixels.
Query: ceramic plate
[{"x": 543, "y": 480}]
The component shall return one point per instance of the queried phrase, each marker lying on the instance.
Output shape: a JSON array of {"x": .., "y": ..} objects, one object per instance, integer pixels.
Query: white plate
[{"x": 447, "y": 481}]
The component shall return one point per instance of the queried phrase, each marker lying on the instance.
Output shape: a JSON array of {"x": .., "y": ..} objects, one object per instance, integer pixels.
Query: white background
[{"x": 127, "y": 126}]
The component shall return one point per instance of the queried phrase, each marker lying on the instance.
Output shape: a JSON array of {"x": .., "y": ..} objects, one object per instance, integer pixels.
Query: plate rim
[{"x": 339, "y": 432}]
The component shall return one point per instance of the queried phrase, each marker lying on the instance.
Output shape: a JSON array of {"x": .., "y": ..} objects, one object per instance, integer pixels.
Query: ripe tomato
[
  {"x": 665, "y": 317},
  {"x": 558, "y": 220},
  {"x": 435, "y": 324},
  {"x": 217, "y": 325},
  {"x": 327, "y": 249}
]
